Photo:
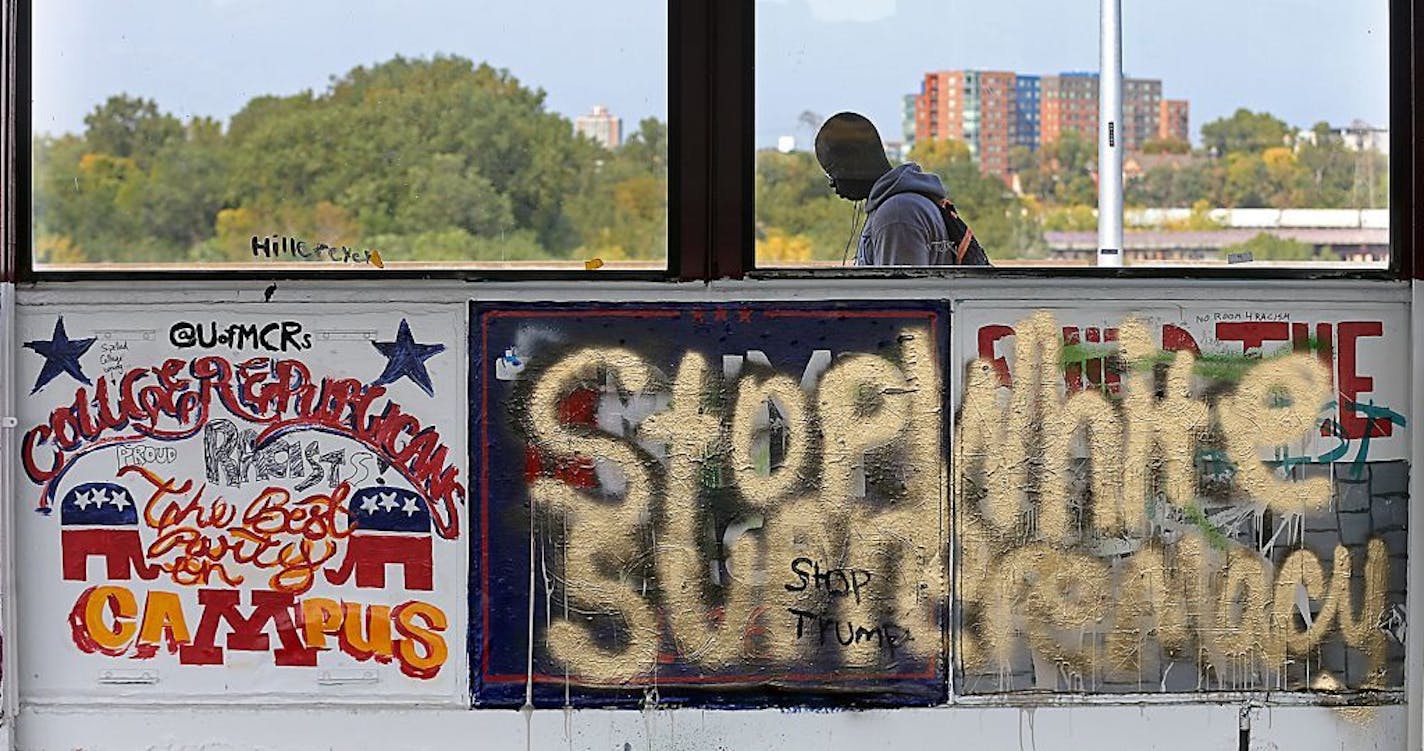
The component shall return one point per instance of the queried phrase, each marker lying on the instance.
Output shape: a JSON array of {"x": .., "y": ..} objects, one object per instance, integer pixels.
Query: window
[
  {"x": 1267, "y": 153},
  {"x": 714, "y": 227},
  {"x": 311, "y": 136}
]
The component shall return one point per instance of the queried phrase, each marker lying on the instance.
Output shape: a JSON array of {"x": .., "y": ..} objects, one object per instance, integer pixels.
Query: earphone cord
[{"x": 855, "y": 227}]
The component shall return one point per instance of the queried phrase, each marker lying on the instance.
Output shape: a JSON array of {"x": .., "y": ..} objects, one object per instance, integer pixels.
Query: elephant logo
[
  {"x": 392, "y": 525},
  {"x": 100, "y": 518}
]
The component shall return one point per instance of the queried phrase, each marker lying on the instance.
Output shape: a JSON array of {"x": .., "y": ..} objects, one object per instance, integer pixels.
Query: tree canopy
[
  {"x": 446, "y": 160},
  {"x": 434, "y": 159}
]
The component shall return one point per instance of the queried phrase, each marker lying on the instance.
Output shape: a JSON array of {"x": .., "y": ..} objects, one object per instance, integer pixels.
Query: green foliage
[
  {"x": 1062, "y": 172},
  {"x": 1268, "y": 247},
  {"x": 1166, "y": 146},
  {"x": 793, "y": 198},
  {"x": 1004, "y": 224},
  {"x": 1251, "y": 160},
  {"x": 1075, "y": 218},
  {"x": 1198, "y": 221},
  {"x": 1244, "y": 131},
  {"x": 457, "y": 245},
  {"x": 431, "y": 159},
  {"x": 129, "y": 127},
  {"x": 444, "y": 159},
  {"x": 620, "y": 205}
]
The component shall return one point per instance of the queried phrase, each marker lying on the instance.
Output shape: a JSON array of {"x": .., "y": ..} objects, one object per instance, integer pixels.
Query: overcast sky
[
  {"x": 209, "y": 57},
  {"x": 1302, "y": 60}
]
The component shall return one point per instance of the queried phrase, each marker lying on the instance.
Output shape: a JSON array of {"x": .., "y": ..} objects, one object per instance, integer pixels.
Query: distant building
[
  {"x": 1357, "y": 136},
  {"x": 1173, "y": 120},
  {"x": 978, "y": 107},
  {"x": 601, "y": 126},
  {"x": 1027, "y": 102},
  {"x": 994, "y": 112},
  {"x": 1361, "y": 136},
  {"x": 1141, "y": 111},
  {"x": 786, "y": 144},
  {"x": 1069, "y": 102},
  {"x": 907, "y": 119}
]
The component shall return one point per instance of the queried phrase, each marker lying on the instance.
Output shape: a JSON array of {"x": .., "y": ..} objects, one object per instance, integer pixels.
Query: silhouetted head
[{"x": 849, "y": 150}]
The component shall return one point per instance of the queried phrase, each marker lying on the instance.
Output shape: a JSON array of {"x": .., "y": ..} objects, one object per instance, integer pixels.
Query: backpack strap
[{"x": 948, "y": 207}]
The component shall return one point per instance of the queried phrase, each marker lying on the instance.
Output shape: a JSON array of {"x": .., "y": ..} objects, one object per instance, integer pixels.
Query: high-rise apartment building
[
  {"x": 601, "y": 126},
  {"x": 978, "y": 107},
  {"x": 996, "y": 111},
  {"x": 1068, "y": 102},
  {"x": 907, "y": 119},
  {"x": 1141, "y": 111},
  {"x": 1029, "y": 96},
  {"x": 1173, "y": 120}
]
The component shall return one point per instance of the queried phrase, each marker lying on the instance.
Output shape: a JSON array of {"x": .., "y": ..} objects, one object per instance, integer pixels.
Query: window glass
[
  {"x": 333, "y": 135},
  {"x": 1244, "y": 142}
]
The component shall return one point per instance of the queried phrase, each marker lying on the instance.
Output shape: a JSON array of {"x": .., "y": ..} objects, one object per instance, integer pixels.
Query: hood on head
[{"x": 906, "y": 178}]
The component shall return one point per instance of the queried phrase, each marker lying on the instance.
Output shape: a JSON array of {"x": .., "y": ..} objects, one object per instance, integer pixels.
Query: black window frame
[{"x": 711, "y": 212}]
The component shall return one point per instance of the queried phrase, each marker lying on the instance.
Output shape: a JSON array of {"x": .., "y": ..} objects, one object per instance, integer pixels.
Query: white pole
[{"x": 1110, "y": 250}]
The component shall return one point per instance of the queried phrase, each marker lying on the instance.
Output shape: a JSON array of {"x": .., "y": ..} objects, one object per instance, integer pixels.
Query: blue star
[
  {"x": 406, "y": 359},
  {"x": 61, "y": 355}
]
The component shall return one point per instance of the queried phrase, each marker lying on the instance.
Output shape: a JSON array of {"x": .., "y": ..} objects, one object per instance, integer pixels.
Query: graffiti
[
  {"x": 1248, "y": 333},
  {"x": 61, "y": 355},
  {"x": 293, "y": 538},
  {"x": 108, "y": 620},
  {"x": 294, "y": 248},
  {"x": 756, "y": 496},
  {"x": 174, "y": 401},
  {"x": 1381, "y": 421},
  {"x": 111, "y": 358},
  {"x": 232, "y": 457},
  {"x": 405, "y": 358},
  {"x": 140, "y": 454},
  {"x": 275, "y": 336},
  {"x": 709, "y": 517},
  {"x": 254, "y": 515},
  {"x": 1094, "y": 553},
  {"x": 863, "y": 402}
]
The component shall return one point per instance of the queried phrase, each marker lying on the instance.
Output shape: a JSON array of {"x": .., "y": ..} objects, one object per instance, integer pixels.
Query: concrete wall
[{"x": 680, "y": 516}]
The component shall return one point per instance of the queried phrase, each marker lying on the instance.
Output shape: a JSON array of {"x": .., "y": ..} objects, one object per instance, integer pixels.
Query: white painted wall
[
  {"x": 1065, "y": 722},
  {"x": 1140, "y": 728}
]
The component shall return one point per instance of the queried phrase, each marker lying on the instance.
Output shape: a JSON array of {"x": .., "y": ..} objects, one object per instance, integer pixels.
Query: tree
[
  {"x": 781, "y": 248},
  {"x": 423, "y": 154},
  {"x": 1061, "y": 171},
  {"x": 793, "y": 198},
  {"x": 447, "y": 193},
  {"x": 130, "y": 127},
  {"x": 1004, "y": 224},
  {"x": 619, "y": 202},
  {"x": 1076, "y": 218},
  {"x": 1268, "y": 247},
  {"x": 1166, "y": 146},
  {"x": 1245, "y": 131}
]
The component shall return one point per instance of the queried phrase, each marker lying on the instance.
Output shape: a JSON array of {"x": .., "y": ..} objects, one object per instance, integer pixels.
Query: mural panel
[
  {"x": 249, "y": 501},
  {"x": 1180, "y": 499},
  {"x": 722, "y": 504}
]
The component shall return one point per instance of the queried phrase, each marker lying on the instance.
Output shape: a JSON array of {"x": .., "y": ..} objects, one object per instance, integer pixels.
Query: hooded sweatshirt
[{"x": 902, "y": 219}]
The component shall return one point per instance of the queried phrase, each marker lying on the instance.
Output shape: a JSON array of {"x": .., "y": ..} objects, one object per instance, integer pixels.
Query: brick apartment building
[
  {"x": 1172, "y": 120},
  {"x": 995, "y": 111},
  {"x": 978, "y": 107}
]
